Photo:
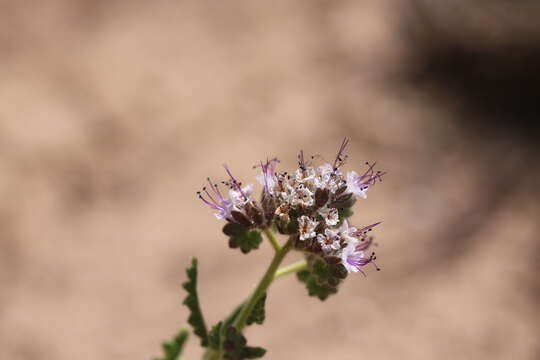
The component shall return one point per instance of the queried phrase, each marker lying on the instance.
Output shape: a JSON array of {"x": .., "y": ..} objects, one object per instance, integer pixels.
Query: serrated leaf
[
  {"x": 253, "y": 352},
  {"x": 231, "y": 229},
  {"x": 246, "y": 240},
  {"x": 303, "y": 275},
  {"x": 322, "y": 291},
  {"x": 321, "y": 279},
  {"x": 173, "y": 349},
  {"x": 235, "y": 346},
  {"x": 258, "y": 314},
  {"x": 195, "y": 318},
  {"x": 214, "y": 336}
]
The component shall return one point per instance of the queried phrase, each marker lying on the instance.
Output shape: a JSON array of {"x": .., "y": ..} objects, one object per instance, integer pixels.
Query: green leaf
[
  {"x": 235, "y": 346},
  {"x": 253, "y": 352},
  {"x": 321, "y": 279},
  {"x": 217, "y": 334},
  {"x": 345, "y": 213},
  {"x": 246, "y": 240},
  {"x": 258, "y": 314},
  {"x": 322, "y": 291},
  {"x": 214, "y": 337},
  {"x": 195, "y": 318},
  {"x": 173, "y": 349},
  {"x": 229, "y": 320},
  {"x": 231, "y": 229}
]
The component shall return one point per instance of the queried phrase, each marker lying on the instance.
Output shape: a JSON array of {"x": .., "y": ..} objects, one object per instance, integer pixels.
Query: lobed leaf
[
  {"x": 235, "y": 346},
  {"x": 321, "y": 278},
  {"x": 246, "y": 240},
  {"x": 173, "y": 349},
  {"x": 258, "y": 314},
  {"x": 214, "y": 336},
  {"x": 195, "y": 318}
]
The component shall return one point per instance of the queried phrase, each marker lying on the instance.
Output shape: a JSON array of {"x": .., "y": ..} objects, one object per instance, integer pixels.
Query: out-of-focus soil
[{"x": 113, "y": 114}]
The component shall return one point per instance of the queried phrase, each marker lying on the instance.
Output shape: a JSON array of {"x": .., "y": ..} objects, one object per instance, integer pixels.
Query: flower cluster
[{"x": 311, "y": 204}]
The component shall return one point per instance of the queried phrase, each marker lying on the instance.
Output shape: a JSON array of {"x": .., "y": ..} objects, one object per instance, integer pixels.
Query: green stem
[
  {"x": 292, "y": 268},
  {"x": 212, "y": 354},
  {"x": 275, "y": 242},
  {"x": 263, "y": 285}
]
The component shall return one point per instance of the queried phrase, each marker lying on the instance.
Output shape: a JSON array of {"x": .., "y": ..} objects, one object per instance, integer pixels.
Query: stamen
[
  {"x": 235, "y": 184},
  {"x": 340, "y": 157},
  {"x": 301, "y": 162},
  {"x": 215, "y": 188}
]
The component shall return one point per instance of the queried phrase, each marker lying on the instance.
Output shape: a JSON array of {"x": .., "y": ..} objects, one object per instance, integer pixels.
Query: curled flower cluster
[{"x": 311, "y": 204}]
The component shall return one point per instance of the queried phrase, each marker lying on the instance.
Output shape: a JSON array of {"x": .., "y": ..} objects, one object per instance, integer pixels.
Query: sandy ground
[{"x": 112, "y": 115}]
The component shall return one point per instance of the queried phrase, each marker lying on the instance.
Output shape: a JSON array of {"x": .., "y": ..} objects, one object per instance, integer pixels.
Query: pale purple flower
[
  {"x": 217, "y": 202},
  {"x": 353, "y": 259},
  {"x": 359, "y": 185},
  {"x": 239, "y": 195},
  {"x": 267, "y": 177},
  {"x": 348, "y": 233},
  {"x": 306, "y": 227},
  {"x": 365, "y": 229},
  {"x": 242, "y": 196}
]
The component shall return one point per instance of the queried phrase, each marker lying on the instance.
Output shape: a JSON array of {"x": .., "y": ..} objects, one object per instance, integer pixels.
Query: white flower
[
  {"x": 330, "y": 215},
  {"x": 348, "y": 233},
  {"x": 267, "y": 177},
  {"x": 283, "y": 212},
  {"x": 240, "y": 198},
  {"x": 329, "y": 241},
  {"x": 302, "y": 196},
  {"x": 325, "y": 170},
  {"x": 268, "y": 181},
  {"x": 355, "y": 185},
  {"x": 305, "y": 175},
  {"x": 328, "y": 178},
  {"x": 306, "y": 227},
  {"x": 359, "y": 185}
]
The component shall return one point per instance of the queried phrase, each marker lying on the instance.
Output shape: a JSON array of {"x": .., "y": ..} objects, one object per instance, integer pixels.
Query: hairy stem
[
  {"x": 292, "y": 268},
  {"x": 275, "y": 242},
  {"x": 263, "y": 285}
]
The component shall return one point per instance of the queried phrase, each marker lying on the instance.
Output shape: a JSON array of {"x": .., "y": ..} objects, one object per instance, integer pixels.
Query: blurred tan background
[{"x": 112, "y": 114}]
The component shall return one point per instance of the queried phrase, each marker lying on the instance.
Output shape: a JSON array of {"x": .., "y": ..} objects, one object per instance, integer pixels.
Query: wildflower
[
  {"x": 359, "y": 185},
  {"x": 217, "y": 202},
  {"x": 348, "y": 233},
  {"x": 306, "y": 227},
  {"x": 305, "y": 175},
  {"x": 310, "y": 195},
  {"x": 302, "y": 196},
  {"x": 353, "y": 259},
  {"x": 267, "y": 177},
  {"x": 329, "y": 241},
  {"x": 365, "y": 229},
  {"x": 241, "y": 196},
  {"x": 330, "y": 215},
  {"x": 283, "y": 212}
]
